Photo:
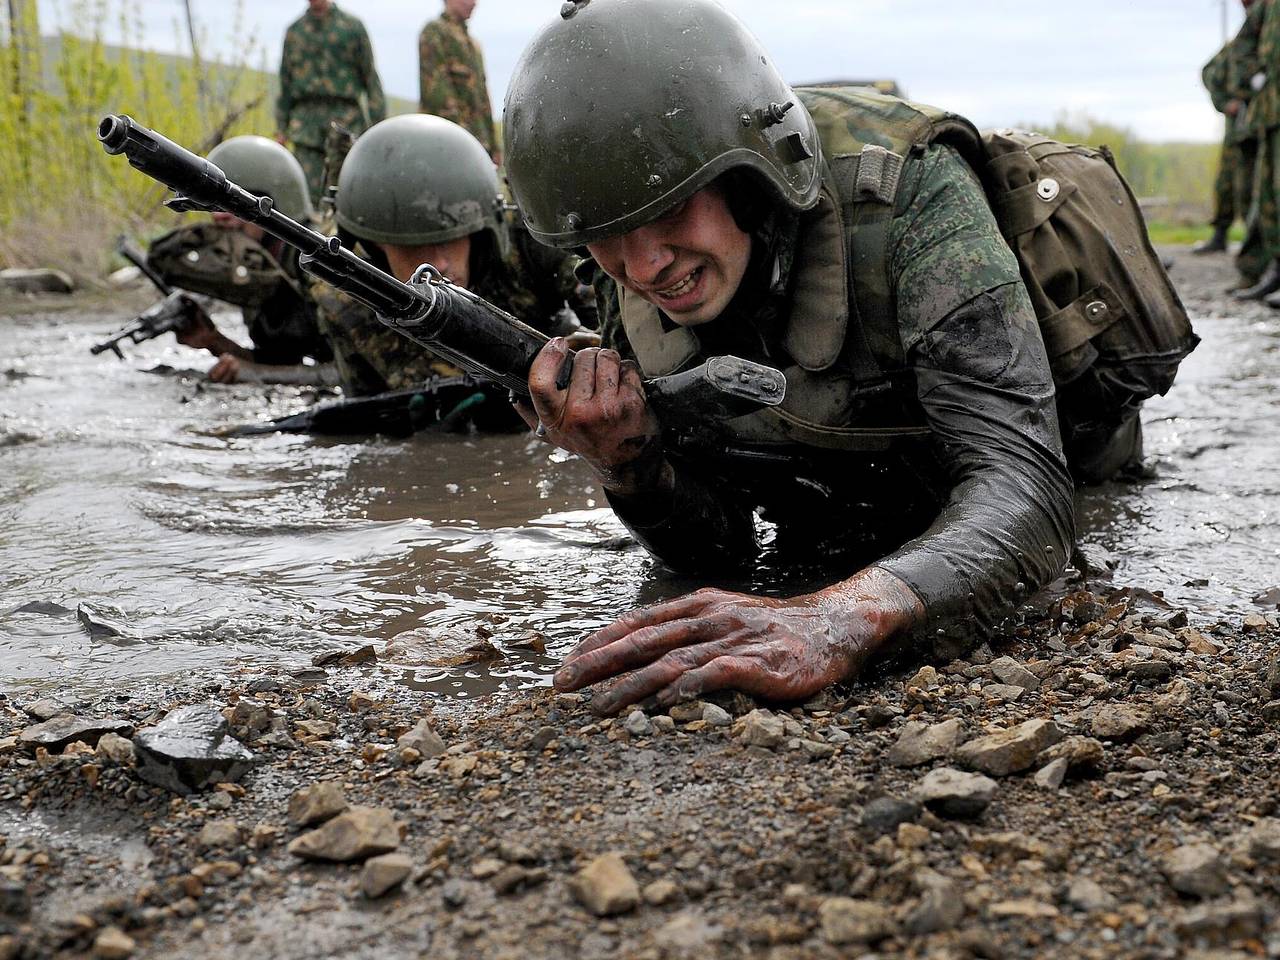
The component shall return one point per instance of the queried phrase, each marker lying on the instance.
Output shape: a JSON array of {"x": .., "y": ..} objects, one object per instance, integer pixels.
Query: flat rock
[
  {"x": 844, "y": 920},
  {"x": 920, "y": 742},
  {"x": 384, "y": 873},
  {"x": 688, "y": 935},
  {"x": 1263, "y": 841},
  {"x": 1082, "y": 754},
  {"x": 1119, "y": 721},
  {"x": 1052, "y": 775},
  {"x": 60, "y": 732},
  {"x": 38, "y": 280},
  {"x": 46, "y": 708},
  {"x": 216, "y": 834},
  {"x": 1196, "y": 869},
  {"x": 688, "y": 711},
  {"x": 357, "y": 834},
  {"x": 1009, "y": 751},
  {"x": 112, "y": 943},
  {"x": 884, "y": 814},
  {"x": 191, "y": 749},
  {"x": 422, "y": 738},
  {"x": 605, "y": 886},
  {"x": 1089, "y": 895},
  {"x": 1009, "y": 671},
  {"x": 1222, "y": 922},
  {"x": 1002, "y": 691},
  {"x": 760, "y": 728},
  {"x": 955, "y": 793}
]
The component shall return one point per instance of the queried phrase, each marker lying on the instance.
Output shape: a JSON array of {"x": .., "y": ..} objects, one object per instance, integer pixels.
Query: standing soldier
[
  {"x": 326, "y": 74},
  {"x": 1259, "y": 46},
  {"x": 1233, "y": 187},
  {"x": 451, "y": 75}
]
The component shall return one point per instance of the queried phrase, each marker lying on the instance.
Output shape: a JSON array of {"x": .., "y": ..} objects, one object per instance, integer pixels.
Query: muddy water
[{"x": 153, "y": 551}]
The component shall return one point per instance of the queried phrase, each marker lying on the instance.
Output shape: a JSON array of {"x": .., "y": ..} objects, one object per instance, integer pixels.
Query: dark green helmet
[
  {"x": 263, "y": 166},
  {"x": 416, "y": 179},
  {"x": 620, "y": 109}
]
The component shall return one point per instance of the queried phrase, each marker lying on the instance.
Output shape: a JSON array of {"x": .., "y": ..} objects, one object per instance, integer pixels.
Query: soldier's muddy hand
[
  {"x": 199, "y": 331},
  {"x": 717, "y": 640},
  {"x": 600, "y": 413},
  {"x": 226, "y": 370}
]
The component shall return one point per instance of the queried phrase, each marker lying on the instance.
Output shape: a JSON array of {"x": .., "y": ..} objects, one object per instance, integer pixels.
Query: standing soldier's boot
[
  {"x": 1215, "y": 244},
  {"x": 1267, "y": 284}
]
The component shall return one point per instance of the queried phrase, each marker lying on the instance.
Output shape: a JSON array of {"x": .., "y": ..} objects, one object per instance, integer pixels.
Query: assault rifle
[
  {"x": 176, "y": 311},
  {"x": 453, "y": 323}
]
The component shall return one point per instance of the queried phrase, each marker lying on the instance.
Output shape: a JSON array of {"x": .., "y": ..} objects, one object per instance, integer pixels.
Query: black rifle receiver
[{"x": 448, "y": 320}]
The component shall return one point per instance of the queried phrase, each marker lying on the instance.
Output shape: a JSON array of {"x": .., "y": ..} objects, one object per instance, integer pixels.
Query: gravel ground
[{"x": 1100, "y": 781}]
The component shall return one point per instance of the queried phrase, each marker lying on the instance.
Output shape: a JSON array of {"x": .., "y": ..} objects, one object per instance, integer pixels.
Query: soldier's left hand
[
  {"x": 226, "y": 370},
  {"x": 717, "y": 640}
]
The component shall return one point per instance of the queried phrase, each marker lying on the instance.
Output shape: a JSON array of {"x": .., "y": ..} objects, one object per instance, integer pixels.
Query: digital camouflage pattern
[
  {"x": 1256, "y": 49},
  {"x": 533, "y": 283},
  {"x": 451, "y": 79},
  {"x": 326, "y": 73},
  {"x": 1233, "y": 186}
]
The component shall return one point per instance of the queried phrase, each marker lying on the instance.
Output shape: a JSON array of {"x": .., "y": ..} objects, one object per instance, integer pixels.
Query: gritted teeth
[{"x": 682, "y": 287}]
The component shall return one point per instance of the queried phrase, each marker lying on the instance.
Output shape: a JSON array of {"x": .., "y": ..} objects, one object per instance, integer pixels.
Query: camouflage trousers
[
  {"x": 1261, "y": 165},
  {"x": 312, "y": 160},
  {"x": 1233, "y": 188}
]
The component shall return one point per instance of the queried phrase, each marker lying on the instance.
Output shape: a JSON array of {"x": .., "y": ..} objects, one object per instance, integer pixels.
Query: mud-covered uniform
[
  {"x": 533, "y": 282},
  {"x": 326, "y": 74},
  {"x": 930, "y": 446},
  {"x": 451, "y": 81}
]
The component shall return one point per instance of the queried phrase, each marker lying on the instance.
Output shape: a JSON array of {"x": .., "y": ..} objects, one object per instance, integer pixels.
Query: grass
[{"x": 1176, "y": 234}]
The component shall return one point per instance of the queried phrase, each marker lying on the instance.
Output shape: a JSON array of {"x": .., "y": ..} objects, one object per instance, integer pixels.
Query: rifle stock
[{"x": 449, "y": 320}]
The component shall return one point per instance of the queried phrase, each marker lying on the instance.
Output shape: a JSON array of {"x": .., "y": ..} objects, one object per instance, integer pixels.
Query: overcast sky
[{"x": 1135, "y": 63}]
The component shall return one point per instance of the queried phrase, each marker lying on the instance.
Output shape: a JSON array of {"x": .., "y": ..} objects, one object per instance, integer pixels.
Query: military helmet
[
  {"x": 263, "y": 166},
  {"x": 621, "y": 109},
  {"x": 416, "y": 179}
]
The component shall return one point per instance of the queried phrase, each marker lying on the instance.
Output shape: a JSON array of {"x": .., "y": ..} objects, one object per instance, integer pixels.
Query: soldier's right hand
[
  {"x": 199, "y": 330},
  {"x": 601, "y": 415}
]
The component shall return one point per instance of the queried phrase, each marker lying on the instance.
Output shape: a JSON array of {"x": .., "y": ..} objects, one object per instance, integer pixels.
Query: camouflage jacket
[
  {"x": 1253, "y": 61},
  {"x": 533, "y": 282},
  {"x": 971, "y": 511},
  {"x": 327, "y": 73},
  {"x": 451, "y": 78}
]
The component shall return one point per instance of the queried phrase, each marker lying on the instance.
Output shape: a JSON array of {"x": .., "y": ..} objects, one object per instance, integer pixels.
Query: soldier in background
[
  {"x": 326, "y": 74},
  {"x": 451, "y": 75},
  {"x": 420, "y": 189},
  {"x": 1255, "y": 70},
  {"x": 1233, "y": 188},
  {"x": 237, "y": 263}
]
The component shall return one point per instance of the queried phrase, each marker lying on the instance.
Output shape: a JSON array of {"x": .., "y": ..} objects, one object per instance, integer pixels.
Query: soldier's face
[
  {"x": 688, "y": 263},
  {"x": 232, "y": 222},
  {"x": 453, "y": 259},
  {"x": 460, "y": 8},
  {"x": 318, "y": 7}
]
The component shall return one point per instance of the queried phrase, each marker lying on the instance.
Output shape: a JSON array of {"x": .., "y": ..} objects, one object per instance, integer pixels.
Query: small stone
[
  {"x": 760, "y": 728},
  {"x": 844, "y": 920},
  {"x": 1119, "y": 721},
  {"x": 884, "y": 814},
  {"x": 954, "y": 793},
  {"x": 1082, "y": 754},
  {"x": 249, "y": 718},
  {"x": 384, "y": 873},
  {"x": 714, "y": 716},
  {"x": 1089, "y": 895},
  {"x": 815, "y": 750},
  {"x": 316, "y": 729},
  {"x": 15, "y": 899},
  {"x": 542, "y": 737},
  {"x": 357, "y": 834},
  {"x": 1026, "y": 909},
  {"x": 663, "y": 724},
  {"x": 924, "y": 678},
  {"x": 360, "y": 702},
  {"x": 422, "y": 738},
  {"x": 687, "y": 935},
  {"x": 112, "y": 943},
  {"x": 1052, "y": 774},
  {"x": 514, "y": 877},
  {"x": 1008, "y": 671},
  {"x": 487, "y": 867},
  {"x": 637, "y": 724},
  {"x": 920, "y": 743},
  {"x": 660, "y": 892},
  {"x": 941, "y": 906},
  {"x": 912, "y": 836},
  {"x": 1009, "y": 751},
  {"x": 1254, "y": 623},
  {"x": 316, "y": 803},
  {"x": 1196, "y": 869},
  {"x": 220, "y": 802},
  {"x": 60, "y": 732},
  {"x": 219, "y": 834},
  {"x": 1002, "y": 691},
  {"x": 605, "y": 886},
  {"x": 190, "y": 749},
  {"x": 116, "y": 748},
  {"x": 1263, "y": 841},
  {"x": 454, "y": 893},
  {"x": 216, "y": 872},
  {"x": 1150, "y": 671},
  {"x": 1220, "y": 923},
  {"x": 687, "y": 711}
]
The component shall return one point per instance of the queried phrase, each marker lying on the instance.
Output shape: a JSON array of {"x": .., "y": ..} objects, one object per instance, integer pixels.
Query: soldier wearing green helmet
[
  {"x": 917, "y": 457},
  {"x": 420, "y": 189},
  {"x": 235, "y": 261}
]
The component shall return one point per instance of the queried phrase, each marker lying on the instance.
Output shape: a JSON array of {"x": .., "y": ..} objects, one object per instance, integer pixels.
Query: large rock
[
  {"x": 357, "y": 834},
  {"x": 605, "y": 886},
  {"x": 190, "y": 749},
  {"x": 847, "y": 921},
  {"x": 1009, "y": 751},
  {"x": 60, "y": 732},
  {"x": 39, "y": 280},
  {"x": 422, "y": 738},
  {"x": 760, "y": 728},
  {"x": 1197, "y": 870},
  {"x": 954, "y": 793},
  {"x": 920, "y": 742},
  {"x": 383, "y": 874},
  {"x": 316, "y": 803},
  {"x": 1119, "y": 721}
]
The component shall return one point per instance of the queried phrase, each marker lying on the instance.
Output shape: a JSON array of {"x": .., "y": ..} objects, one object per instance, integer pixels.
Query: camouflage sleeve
[
  {"x": 983, "y": 379},
  {"x": 1244, "y": 61},
  {"x": 1214, "y": 76},
  {"x": 368, "y": 74},
  {"x": 433, "y": 79},
  {"x": 284, "y": 100}
]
